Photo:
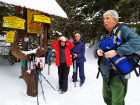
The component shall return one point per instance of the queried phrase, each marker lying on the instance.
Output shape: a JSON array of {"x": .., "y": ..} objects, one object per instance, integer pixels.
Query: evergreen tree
[
  {"x": 5, "y": 10},
  {"x": 86, "y": 17}
]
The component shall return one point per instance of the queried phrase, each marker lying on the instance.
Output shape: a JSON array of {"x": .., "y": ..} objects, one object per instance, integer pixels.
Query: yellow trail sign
[
  {"x": 33, "y": 27},
  {"x": 42, "y": 19},
  {"x": 10, "y": 37},
  {"x": 13, "y": 22},
  {"x": 10, "y": 40},
  {"x": 10, "y": 34}
]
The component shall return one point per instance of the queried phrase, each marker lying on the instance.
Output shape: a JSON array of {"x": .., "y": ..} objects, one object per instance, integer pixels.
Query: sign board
[
  {"x": 42, "y": 19},
  {"x": 10, "y": 36},
  {"x": 40, "y": 60},
  {"x": 33, "y": 27},
  {"x": 13, "y": 22},
  {"x": 10, "y": 40}
]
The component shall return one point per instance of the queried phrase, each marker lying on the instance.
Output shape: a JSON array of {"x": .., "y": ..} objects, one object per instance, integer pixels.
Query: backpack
[{"x": 121, "y": 65}]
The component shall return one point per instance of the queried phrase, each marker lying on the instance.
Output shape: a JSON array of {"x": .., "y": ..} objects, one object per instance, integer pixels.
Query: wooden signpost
[{"x": 37, "y": 24}]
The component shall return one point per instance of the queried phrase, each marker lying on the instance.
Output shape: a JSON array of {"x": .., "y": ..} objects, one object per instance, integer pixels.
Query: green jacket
[{"x": 131, "y": 44}]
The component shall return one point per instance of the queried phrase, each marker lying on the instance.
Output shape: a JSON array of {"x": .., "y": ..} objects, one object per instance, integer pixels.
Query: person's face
[
  {"x": 77, "y": 38},
  {"x": 62, "y": 43},
  {"x": 109, "y": 22}
]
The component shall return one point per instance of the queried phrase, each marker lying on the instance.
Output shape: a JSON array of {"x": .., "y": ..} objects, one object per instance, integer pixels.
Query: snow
[
  {"x": 48, "y": 6},
  {"x": 30, "y": 52},
  {"x": 13, "y": 89},
  {"x": 2, "y": 37}
]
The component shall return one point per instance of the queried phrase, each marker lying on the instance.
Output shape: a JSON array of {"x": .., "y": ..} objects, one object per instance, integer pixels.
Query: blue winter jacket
[
  {"x": 79, "y": 49},
  {"x": 131, "y": 44}
]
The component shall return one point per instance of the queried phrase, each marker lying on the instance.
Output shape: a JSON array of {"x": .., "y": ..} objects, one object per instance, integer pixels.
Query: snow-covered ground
[{"x": 13, "y": 89}]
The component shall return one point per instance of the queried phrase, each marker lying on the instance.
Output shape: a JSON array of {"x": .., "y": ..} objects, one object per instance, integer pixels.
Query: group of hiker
[
  {"x": 114, "y": 49},
  {"x": 64, "y": 50}
]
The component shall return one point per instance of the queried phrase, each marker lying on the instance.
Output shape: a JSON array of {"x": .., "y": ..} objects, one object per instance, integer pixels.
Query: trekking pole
[
  {"x": 40, "y": 81},
  {"x": 47, "y": 81},
  {"x": 74, "y": 75},
  {"x": 34, "y": 68},
  {"x": 49, "y": 61},
  {"x": 49, "y": 67}
]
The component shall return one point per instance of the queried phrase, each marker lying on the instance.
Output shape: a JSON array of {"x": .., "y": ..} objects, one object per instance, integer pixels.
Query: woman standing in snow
[
  {"x": 62, "y": 47},
  {"x": 78, "y": 52}
]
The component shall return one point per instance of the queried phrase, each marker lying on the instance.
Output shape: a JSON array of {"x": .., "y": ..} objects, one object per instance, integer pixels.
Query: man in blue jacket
[
  {"x": 78, "y": 52},
  {"x": 131, "y": 43}
]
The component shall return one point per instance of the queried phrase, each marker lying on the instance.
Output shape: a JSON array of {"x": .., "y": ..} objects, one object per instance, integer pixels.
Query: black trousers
[{"x": 63, "y": 72}]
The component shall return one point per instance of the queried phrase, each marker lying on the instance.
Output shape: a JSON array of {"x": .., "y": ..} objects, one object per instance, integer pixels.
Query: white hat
[
  {"x": 113, "y": 13},
  {"x": 62, "y": 38}
]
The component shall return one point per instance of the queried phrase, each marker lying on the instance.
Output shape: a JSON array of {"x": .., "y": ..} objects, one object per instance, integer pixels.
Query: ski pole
[
  {"x": 49, "y": 61},
  {"x": 74, "y": 73},
  {"x": 40, "y": 81},
  {"x": 47, "y": 81},
  {"x": 34, "y": 68},
  {"x": 48, "y": 67}
]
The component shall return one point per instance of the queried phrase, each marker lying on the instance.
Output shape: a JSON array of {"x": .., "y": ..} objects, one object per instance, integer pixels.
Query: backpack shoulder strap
[
  {"x": 118, "y": 29},
  {"x": 116, "y": 33}
]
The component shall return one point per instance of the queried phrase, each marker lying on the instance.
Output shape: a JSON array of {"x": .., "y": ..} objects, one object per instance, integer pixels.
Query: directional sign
[
  {"x": 13, "y": 22},
  {"x": 10, "y": 37},
  {"x": 10, "y": 34},
  {"x": 42, "y": 19},
  {"x": 10, "y": 40},
  {"x": 33, "y": 27}
]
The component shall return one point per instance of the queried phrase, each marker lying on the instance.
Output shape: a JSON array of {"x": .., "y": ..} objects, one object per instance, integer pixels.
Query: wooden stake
[
  {"x": 25, "y": 35},
  {"x": 41, "y": 36},
  {"x": 17, "y": 13}
]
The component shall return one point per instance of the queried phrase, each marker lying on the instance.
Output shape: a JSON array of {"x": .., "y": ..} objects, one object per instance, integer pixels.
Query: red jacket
[{"x": 68, "y": 47}]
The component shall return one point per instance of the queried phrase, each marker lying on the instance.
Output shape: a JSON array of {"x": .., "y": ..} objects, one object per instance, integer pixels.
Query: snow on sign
[
  {"x": 13, "y": 22},
  {"x": 33, "y": 27},
  {"x": 40, "y": 60},
  {"x": 42, "y": 18}
]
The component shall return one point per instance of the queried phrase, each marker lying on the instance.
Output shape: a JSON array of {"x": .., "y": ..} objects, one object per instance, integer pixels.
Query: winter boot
[{"x": 81, "y": 84}]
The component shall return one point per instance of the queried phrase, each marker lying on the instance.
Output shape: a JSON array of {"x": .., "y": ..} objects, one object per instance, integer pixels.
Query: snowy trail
[{"x": 13, "y": 89}]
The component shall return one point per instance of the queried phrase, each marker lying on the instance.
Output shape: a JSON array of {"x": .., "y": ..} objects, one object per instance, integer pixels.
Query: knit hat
[{"x": 63, "y": 39}]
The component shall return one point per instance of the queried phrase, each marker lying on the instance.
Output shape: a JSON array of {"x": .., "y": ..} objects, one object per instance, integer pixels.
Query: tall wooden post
[
  {"x": 25, "y": 35},
  {"x": 24, "y": 44},
  {"x": 28, "y": 77},
  {"x": 45, "y": 36},
  {"x": 41, "y": 36},
  {"x": 17, "y": 13}
]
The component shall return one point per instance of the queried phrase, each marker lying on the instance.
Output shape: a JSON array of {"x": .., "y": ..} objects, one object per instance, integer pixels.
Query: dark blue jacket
[{"x": 79, "y": 49}]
